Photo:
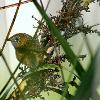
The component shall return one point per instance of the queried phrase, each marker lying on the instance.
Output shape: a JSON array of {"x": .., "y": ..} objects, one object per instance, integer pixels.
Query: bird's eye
[{"x": 16, "y": 39}]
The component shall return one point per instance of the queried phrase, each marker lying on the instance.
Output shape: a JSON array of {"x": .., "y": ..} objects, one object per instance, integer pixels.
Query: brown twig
[
  {"x": 4, "y": 59},
  {"x": 9, "y": 79},
  {"x": 35, "y": 35},
  {"x": 11, "y": 26},
  {"x": 15, "y": 4}
]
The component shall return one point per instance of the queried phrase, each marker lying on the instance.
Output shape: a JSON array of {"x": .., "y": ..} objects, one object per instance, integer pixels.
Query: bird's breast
[
  {"x": 24, "y": 58},
  {"x": 29, "y": 58}
]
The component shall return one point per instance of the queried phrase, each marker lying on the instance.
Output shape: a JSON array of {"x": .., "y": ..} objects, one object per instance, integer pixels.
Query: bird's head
[{"x": 20, "y": 40}]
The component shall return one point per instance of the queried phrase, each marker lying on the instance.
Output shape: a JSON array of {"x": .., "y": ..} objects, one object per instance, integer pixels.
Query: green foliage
[
  {"x": 49, "y": 75},
  {"x": 85, "y": 89},
  {"x": 71, "y": 56}
]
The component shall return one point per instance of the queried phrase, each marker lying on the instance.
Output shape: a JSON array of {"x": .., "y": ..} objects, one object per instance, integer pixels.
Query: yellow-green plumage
[{"x": 28, "y": 50}]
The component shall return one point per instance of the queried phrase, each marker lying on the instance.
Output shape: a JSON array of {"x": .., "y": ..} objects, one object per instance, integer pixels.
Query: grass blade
[{"x": 86, "y": 87}]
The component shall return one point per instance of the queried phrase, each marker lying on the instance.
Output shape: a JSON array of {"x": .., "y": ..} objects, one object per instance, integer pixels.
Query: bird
[{"x": 28, "y": 49}]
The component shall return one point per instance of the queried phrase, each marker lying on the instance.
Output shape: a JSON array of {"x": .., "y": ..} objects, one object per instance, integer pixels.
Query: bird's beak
[{"x": 8, "y": 39}]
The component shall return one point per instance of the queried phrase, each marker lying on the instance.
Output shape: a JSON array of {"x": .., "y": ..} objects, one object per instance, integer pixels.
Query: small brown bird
[{"x": 28, "y": 49}]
